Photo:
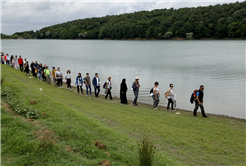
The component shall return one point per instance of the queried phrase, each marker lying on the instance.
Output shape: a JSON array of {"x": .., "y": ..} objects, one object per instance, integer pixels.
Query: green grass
[{"x": 78, "y": 121}]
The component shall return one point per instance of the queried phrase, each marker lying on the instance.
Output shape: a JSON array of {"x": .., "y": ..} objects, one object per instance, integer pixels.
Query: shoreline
[
  {"x": 116, "y": 98},
  {"x": 175, "y": 38}
]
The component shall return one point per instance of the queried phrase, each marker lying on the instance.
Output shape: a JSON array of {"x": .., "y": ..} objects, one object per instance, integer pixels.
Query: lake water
[{"x": 217, "y": 64}]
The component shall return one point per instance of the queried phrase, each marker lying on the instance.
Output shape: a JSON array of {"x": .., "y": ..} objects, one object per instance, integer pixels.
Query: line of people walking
[{"x": 42, "y": 72}]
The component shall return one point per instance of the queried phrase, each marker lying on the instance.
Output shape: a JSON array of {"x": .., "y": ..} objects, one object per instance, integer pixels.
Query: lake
[{"x": 219, "y": 65}]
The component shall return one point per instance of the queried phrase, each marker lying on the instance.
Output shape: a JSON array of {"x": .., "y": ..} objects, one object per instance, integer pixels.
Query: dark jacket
[{"x": 94, "y": 81}]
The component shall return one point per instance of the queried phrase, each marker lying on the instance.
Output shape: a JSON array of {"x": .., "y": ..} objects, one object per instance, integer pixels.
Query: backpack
[
  {"x": 193, "y": 96},
  {"x": 104, "y": 85},
  {"x": 151, "y": 91},
  {"x": 166, "y": 94}
]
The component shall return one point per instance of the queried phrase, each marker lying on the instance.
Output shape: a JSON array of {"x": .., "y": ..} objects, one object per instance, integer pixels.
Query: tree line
[{"x": 218, "y": 21}]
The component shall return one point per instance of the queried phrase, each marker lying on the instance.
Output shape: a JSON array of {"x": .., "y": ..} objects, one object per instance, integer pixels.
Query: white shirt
[
  {"x": 58, "y": 74},
  {"x": 68, "y": 76},
  {"x": 156, "y": 90},
  {"x": 170, "y": 93},
  {"x": 8, "y": 58},
  {"x": 109, "y": 84},
  {"x": 98, "y": 83}
]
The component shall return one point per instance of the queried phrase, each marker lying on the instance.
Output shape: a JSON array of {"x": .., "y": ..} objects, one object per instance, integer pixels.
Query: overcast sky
[{"x": 25, "y": 15}]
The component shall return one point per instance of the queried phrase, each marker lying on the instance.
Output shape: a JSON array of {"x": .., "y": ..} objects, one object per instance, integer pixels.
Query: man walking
[
  {"x": 135, "y": 87},
  {"x": 47, "y": 73},
  {"x": 20, "y": 62},
  {"x": 96, "y": 84},
  {"x": 199, "y": 102},
  {"x": 87, "y": 81},
  {"x": 7, "y": 59}
]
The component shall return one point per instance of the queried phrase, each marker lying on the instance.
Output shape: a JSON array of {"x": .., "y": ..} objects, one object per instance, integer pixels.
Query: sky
[{"x": 25, "y": 15}]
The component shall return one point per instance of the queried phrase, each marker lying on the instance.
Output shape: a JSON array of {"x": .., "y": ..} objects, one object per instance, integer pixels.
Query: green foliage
[
  {"x": 78, "y": 121},
  {"x": 168, "y": 35},
  {"x": 146, "y": 152},
  {"x": 19, "y": 107},
  {"x": 189, "y": 35},
  {"x": 23, "y": 110},
  {"x": 205, "y": 22}
]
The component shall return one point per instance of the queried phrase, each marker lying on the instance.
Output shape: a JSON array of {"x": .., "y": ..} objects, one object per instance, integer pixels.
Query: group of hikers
[{"x": 42, "y": 72}]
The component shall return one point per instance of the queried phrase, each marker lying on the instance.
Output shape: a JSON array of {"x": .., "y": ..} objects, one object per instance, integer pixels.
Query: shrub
[
  {"x": 146, "y": 152},
  {"x": 17, "y": 106}
]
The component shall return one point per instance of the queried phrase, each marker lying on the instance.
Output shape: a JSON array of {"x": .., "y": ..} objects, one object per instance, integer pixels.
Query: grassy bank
[{"x": 74, "y": 122}]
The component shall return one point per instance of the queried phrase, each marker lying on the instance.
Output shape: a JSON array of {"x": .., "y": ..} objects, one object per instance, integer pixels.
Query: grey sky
[{"x": 24, "y": 15}]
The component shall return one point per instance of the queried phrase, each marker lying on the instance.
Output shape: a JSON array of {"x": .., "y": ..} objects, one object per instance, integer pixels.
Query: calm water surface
[{"x": 218, "y": 65}]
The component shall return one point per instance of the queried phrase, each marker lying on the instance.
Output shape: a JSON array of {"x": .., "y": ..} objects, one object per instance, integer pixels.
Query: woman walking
[
  {"x": 27, "y": 68},
  {"x": 13, "y": 62},
  {"x": 16, "y": 63},
  {"x": 68, "y": 80},
  {"x": 40, "y": 71},
  {"x": 108, "y": 88},
  {"x": 170, "y": 97},
  {"x": 11, "y": 59},
  {"x": 156, "y": 95},
  {"x": 79, "y": 83},
  {"x": 43, "y": 74},
  {"x": 123, "y": 90},
  {"x": 33, "y": 69},
  {"x": 59, "y": 77}
]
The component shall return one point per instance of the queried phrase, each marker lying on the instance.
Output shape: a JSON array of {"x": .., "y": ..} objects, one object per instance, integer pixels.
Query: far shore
[{"x": 175, "y": 38}]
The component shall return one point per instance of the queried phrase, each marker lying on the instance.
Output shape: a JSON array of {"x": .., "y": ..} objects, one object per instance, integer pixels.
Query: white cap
[{"x": 137, "y": 78}]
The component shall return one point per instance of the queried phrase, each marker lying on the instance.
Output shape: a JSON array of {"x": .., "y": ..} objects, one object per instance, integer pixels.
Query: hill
[
  {"x": 68, "y": 124},
  {"x": 218, "y": 21}
]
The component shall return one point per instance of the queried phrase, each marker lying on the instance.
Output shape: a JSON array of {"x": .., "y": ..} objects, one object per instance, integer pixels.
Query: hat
[{"x": 137, "y": 78}]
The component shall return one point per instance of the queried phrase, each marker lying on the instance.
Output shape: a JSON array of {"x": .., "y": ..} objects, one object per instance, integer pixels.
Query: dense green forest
[{"x": 219, "y": 21}]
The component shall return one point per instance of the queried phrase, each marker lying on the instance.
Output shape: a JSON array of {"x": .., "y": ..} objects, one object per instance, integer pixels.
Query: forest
[{"x": 218, "y": 21}]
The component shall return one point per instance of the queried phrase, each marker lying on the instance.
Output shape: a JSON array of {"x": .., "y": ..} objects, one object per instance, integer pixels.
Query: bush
[
  {"x": 146, "y": 152},
  {"x": 23, "y": 110},
  {"x": 17, "y": 106}
]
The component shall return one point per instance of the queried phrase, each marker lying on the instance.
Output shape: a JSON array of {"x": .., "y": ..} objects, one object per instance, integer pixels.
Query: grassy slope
[{"x": 79, "y": 121}]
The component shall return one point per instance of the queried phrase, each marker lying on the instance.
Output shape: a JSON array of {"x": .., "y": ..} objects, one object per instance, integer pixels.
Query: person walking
[
  {"x": 20, "y": 62},
  {"x": 27, "y": 68},
  {"x": 156, "y": 95},
  {"x": 96, "y": 84},
  {"x": 79, "y": 83},
  {"x": 170, "y": 97},
  {"x": 43, "y": 74},
  {"x": 108, "y": 88},
  {"x": 36, "y": 67},
  {"x": 199, "y": 102},
  {"x": 68, "y": 80},
  {"x": 59, "y": 77},
  {"x": 33, "y": 69},
  {"x": 136, "y": 86},
  {"x": 7, "y": 59},
  {"x": 11, "y": 58},
  {"x": 87, "y": 82},
  {"x": 54, "y": 76},
  {"x": 24, "y": 64},
  {"x": 17, "y": 63},
  {"x": 13, "y": 62},
  {"x": 47, "y": 73},
  {"x": 123, "y": 90},
  {"x": 40, "y": 71}
]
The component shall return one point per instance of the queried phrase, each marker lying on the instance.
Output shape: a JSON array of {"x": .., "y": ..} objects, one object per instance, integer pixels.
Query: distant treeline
[{"x": 219, "y": 21}]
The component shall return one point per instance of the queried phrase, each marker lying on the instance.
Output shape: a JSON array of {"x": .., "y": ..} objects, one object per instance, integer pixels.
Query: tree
[
  {"x": 83, "y": 35},
  {"x": 189, "y": 35},
  {"x": 168, "y": 35}
]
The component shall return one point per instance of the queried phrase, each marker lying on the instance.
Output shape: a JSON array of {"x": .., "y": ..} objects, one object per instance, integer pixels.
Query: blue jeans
[
  {"x": 89, "y": 86},
  {"x": 39, "y": 76}
]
